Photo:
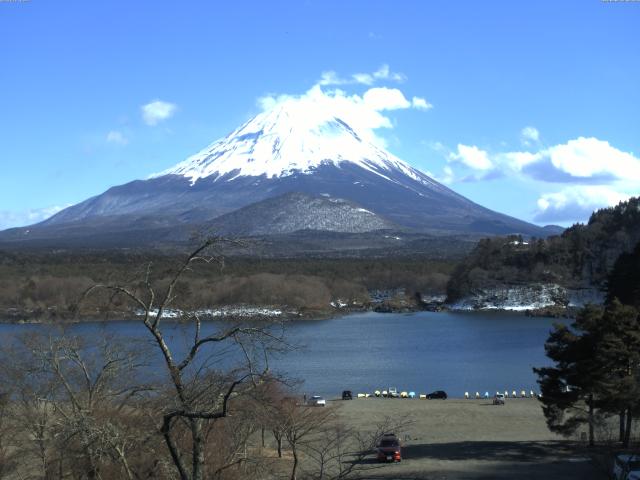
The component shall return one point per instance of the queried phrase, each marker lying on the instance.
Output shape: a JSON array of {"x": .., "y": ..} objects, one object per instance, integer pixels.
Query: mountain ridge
[{"x": 277, "y": 152}]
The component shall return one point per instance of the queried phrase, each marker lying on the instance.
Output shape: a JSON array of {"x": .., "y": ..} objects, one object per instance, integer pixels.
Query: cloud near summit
[
  {"x": 364, "y": 112},
  {"x": 384, "y": 73}
]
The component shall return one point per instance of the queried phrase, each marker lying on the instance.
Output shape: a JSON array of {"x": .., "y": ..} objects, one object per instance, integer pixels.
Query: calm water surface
[{"x": 424, "y": 351}]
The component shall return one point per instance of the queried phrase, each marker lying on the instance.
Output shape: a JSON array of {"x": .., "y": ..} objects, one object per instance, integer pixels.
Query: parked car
[
  {"x": 437, "y": 395},
  {"x": 626, "y": 467},
  {"x": 317, "y": 401},
  {"x": 498, "y": 399},
  {"x": 347, "y": 395},
  {"x": 389, "y": 448}
]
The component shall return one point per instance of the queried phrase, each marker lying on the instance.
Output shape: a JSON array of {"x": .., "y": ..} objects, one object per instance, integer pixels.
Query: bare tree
[
  {"x": 201, "y": 384},
  {"x": 298, "y": 423},
  {"x": 332, "y": 452},
  {"x": 268, "y": 405},
  {"x": 7, "y": 450},
  {"x": 338, "y": 452},
  {"x": 31, "y": 415},
  {"x": 72, "y": 401}
]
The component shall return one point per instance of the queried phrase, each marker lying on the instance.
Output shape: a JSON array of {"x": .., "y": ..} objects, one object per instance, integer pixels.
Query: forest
[
  {"x": 582, "y": 256},
  {"x": 46, "y": 286}
]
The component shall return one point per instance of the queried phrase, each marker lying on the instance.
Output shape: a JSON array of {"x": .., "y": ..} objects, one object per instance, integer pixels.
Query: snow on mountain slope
[{"x": 288, "y": 140}]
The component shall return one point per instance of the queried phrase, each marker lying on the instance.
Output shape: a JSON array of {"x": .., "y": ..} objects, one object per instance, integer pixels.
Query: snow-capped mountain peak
[
  {"x": 287, "y": 151},
  {"x": 287, "y": 140}
]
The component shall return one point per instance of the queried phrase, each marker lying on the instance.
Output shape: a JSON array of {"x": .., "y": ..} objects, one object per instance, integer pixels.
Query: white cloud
[
  {"x": 383, "y": 98},
  {"x": 332, "y": 78},
  {"x": 529, "y": 135},
  {"x": 157, "y": 111},
  {"x": 420, "y": 103},
  {"x": 590, "y": 157},
  {"x": 578, "y": 161},
  {"x": 575, "y": 202},
  {"x": 11, "y": 219},
  {"x": 472, "y": 157},
  {"x": 588, "y": 173},
  {"x": 362, "y": 78},
  {"x": 382, "y": 74},
  {"x": 269, "y": 101},
  {"x": 364, "y": 113},
  {"x": 117, "y": 138},
  {"x": 592, "y": 174},
  {"x": 518, "y": 160},
  {"x": 448, "y": 176}
]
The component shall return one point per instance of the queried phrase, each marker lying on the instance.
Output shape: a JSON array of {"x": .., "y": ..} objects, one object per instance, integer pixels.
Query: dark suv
[
  {"x": 438, "y": 394},
  {"x": 346, "y": 395},
  {"x": 389, "y": 449}
]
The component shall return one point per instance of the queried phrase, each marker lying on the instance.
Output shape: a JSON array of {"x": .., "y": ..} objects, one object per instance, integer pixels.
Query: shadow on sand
[
  {"x": 507, "y": 451},
  {"x": 491, "y": 460}
]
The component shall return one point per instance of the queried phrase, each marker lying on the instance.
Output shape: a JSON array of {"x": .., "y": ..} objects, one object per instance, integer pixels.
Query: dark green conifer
[
  {"x": 618, "y": 354},
  {"x": 570, "y": 389},
  {"x": 624, "y": 280}
]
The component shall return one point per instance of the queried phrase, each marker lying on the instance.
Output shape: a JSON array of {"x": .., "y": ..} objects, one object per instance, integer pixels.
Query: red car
[{"x": 389, "y": 449}]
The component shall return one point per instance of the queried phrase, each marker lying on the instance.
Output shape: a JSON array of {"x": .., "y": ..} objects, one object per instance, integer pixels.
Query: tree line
[{"x": 47, "y": 286}]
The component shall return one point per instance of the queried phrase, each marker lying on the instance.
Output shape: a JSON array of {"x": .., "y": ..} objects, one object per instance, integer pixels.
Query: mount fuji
[{"x": 306, "y": 170}]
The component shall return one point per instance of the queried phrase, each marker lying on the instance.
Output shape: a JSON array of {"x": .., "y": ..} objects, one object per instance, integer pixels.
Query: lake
[{"x": 422, "y": 352}]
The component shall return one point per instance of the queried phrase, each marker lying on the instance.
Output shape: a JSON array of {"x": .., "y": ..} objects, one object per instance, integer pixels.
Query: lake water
[{"x": 421, "y": 352}]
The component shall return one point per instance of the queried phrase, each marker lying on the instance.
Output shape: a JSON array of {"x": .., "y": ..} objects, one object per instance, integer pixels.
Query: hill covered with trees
[{"x": 580, "y": 258}]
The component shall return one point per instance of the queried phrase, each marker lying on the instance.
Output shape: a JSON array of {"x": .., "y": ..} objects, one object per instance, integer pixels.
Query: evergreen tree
[
  {"x": 597, "y": 368},
  {"x": 624, "y": 280},
  {"x": 618, "y": 354},
  {"x": 597, "y": 359},
  {"x": 570, "y": 389}
]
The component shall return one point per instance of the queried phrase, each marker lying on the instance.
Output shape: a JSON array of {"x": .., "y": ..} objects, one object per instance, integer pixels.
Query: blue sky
[{"x": 534, "y": 104}]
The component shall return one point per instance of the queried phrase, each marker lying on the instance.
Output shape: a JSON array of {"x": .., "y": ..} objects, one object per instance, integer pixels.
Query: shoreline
[{"x": 282, "y": 313}]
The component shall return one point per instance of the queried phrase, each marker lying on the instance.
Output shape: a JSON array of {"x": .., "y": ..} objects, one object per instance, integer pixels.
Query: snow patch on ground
[
  {"x": 514, "y": 298},
  {"x": 528, "y": 297},
  {"x": 242, "y": 311}
]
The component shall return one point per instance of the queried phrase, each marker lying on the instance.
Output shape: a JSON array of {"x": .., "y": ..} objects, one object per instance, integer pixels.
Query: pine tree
[
  {"x": 619, "y": 355},
  {"x": 570, "y": 389},
  {"x": 624, "y": 280}
]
